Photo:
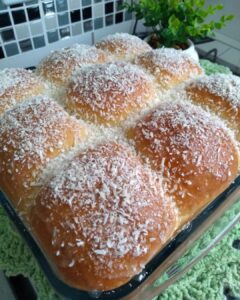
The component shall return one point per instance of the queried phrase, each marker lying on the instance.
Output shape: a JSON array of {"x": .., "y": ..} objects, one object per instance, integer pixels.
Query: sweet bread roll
[
  {"x": 102, "y": 218},
  {"x": 108, "y": 93},
  {"x": 16, "y": 85},
  {"x": 193, "y": 150},
  {"x": 123, "y": 46},
  {"x": 220, "y": 94},
  {"x": 31, "y": 134},
  {"x": 59, "y": 65},
  {"x": 170, "y": 67}
]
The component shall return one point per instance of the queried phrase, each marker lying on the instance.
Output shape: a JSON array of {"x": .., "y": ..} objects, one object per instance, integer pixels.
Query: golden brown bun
[
  {"x": 31, "y": 134},
  {"x": 16, "y": 85},
  {"x": 103, "y": 217},
  {"x": 192, "y": 149},
  {"x": 169, "y": 66},
  {"x": 123, "y": 46},
  {"x": 220, "y": 94},
  {"x": 109, "y": 93},
  {"x": 59, "y": 66}
]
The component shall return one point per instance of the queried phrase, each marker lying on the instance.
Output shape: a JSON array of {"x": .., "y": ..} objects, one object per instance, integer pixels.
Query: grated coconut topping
[
  {"x": 171, "y": 60},
  {"x": 116, "y": 206},
  {"x": 16, "y": 78},
  {"x": 190, "y": 135},
  {"x": 124, "y": 42},
  {"x": 111, "y": 88},
  {"x": 32, "y": 131},
  {"x": 222, "y": 85},
  {"x": 71, "y": 58},
  {"x": 79, "y": 52}
]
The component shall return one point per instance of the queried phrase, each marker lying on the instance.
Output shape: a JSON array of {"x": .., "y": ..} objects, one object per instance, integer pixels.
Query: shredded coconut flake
[
  {"x": 11, "y": 78},
  {"x": 194, "y": 142},
  {"x": 225, "y": 86},
  {"x": 115, "y": 204},
  {"x": 123, "y": 44},
  {"x": 17, "y": 84},
  {"x": 110, "y": 90},
  {"x": 167, "y": 63},
  {"x": 62, "y": 63},
  {"x": 31, "y": 131}
]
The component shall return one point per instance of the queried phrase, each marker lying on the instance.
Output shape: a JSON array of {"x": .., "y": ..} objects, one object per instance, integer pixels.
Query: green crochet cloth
[
  {"x": 206, "y": 280},
  {"x": 211, "y": 68}
]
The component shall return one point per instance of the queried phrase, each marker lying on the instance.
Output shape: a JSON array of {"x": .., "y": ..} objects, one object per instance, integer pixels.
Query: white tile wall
[{"x": 51, "y": 24}]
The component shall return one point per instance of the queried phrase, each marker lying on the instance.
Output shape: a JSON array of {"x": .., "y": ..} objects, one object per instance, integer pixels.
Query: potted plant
[{"x": 175, "y": 23}]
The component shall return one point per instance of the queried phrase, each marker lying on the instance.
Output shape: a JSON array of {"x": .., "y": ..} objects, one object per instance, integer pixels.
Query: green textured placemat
[
  {"x": 215, "y": 273},
  {"x": 220, "y": 269},
  {"x": 211, "y": 68},
  {"x": 206, "y": 280}
]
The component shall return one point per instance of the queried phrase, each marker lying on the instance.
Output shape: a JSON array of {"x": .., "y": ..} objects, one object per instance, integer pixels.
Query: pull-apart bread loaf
[{"x": 134, "y": 151}]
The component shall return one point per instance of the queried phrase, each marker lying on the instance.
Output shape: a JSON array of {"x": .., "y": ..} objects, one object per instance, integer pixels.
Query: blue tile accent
[
  {"x": 2, "y": 6},
  {"x": 76, "y": 28},
  {"x": 62, "y": 5},
  {"x": 39, "y": 41},
  {"x": 52, "y": 36},
  {"x": 128, "y": 16},
  {"x": 63, "y": 19},
  {"x": 98, "y": 23},
  {"x": 29, "y": 3},
  {"x": 11, "y": 49},
  {"x": 86, "y": 2},
  {"x": 25, "y": 45},
  {"x": 7, "y": 35},
  {"x": 64, "y": 32},
  {"x": 87, "y": 26},
  {"x": 109, "y": 20}
]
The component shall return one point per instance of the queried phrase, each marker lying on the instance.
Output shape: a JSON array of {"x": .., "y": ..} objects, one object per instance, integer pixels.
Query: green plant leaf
[
  {"x": 218, "y": 25},
  {"x": 174, "y": 21},
  {"x": 229, "y": 18}
]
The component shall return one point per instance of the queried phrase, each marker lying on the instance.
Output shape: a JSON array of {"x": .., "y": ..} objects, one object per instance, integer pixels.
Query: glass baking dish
[{"x": 168, "y": 265}]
